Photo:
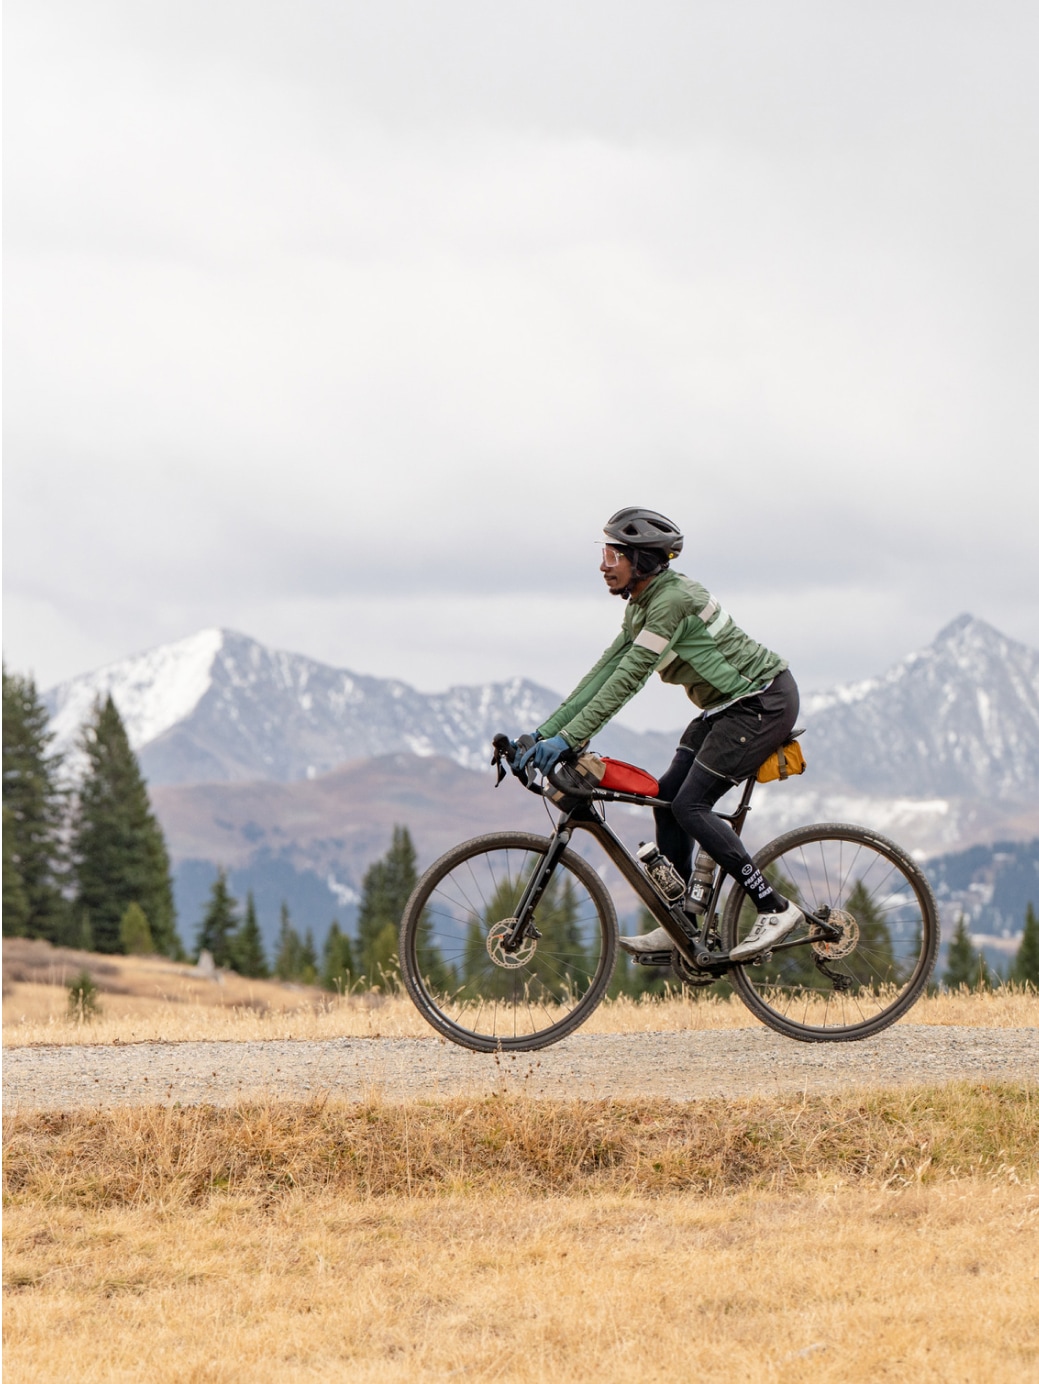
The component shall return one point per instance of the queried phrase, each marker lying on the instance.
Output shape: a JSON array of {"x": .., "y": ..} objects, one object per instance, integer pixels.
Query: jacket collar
[{"x": 653, "y": 584}]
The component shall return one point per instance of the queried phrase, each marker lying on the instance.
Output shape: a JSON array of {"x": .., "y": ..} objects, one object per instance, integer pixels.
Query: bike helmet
[
  {"x": 646, "y": 538},
  {"x": 644, "y": 530}
]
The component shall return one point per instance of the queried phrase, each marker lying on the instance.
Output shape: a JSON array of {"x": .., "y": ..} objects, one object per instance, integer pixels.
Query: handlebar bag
[{"x": 628, "y": 778}]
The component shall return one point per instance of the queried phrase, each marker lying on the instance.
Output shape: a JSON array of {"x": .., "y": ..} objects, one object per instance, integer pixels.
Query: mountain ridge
[
  {"x": 291, "y": 773},
  {"x": 957, "y": 719},
  {"x": 259, "y": 713}
]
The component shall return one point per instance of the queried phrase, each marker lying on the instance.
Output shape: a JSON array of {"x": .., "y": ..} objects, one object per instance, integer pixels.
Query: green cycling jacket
[{"x": 676, "y": 628}]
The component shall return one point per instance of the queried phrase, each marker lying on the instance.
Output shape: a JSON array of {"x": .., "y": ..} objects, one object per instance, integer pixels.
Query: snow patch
[
  {"x": 343, "y": 893},
  {"x": 153, "y": 691}
]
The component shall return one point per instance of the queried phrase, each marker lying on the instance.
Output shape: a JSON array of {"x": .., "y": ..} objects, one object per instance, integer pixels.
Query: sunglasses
[{"x": 611, "y": 556}]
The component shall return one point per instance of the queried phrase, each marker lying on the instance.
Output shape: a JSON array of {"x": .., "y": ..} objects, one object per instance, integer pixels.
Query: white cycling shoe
[
  {"x": 655, "y": 941},
  {"x": 769, "y": 929}
]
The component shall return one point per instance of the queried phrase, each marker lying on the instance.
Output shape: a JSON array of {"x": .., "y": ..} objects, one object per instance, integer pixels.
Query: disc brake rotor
[
  {"x": 510, "y": 960},
  {"x": 840, "y": 946}
]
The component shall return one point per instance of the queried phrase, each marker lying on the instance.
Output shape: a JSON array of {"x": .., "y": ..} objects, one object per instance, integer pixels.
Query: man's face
[{"x": 616, "y": 569}]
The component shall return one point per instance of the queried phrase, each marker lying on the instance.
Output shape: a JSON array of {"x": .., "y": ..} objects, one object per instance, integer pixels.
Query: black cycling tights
[{"x": 692, "y": 791}]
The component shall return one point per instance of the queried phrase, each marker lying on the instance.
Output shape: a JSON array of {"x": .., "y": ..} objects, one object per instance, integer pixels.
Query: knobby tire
[
  {"x": 456, "y": 982},
  {"x": 866, "y": 878}
]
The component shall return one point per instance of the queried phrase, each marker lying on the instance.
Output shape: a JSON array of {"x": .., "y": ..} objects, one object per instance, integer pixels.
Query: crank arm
[
  {"x": 828, "y": 932},
  {"x": 661, "y": 958}
]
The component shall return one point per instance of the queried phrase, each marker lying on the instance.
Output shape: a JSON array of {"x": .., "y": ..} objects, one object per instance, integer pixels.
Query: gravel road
[{"x": 732, "y": 1062}]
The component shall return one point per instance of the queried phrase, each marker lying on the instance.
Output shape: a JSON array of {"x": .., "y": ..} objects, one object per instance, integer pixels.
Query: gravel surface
[{"x": 732, "y": 1062}]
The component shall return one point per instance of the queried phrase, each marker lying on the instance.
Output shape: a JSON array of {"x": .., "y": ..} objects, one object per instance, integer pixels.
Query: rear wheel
[
  {"x": 848, "y": 988},
  {"x": 460, "y": 977}
]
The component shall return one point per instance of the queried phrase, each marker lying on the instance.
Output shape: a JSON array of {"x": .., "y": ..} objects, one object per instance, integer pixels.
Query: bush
[{"x": 83, "y": 1004}]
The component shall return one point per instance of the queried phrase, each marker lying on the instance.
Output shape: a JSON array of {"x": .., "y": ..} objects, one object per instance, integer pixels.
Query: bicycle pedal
[{"x": 661, "y": 958}]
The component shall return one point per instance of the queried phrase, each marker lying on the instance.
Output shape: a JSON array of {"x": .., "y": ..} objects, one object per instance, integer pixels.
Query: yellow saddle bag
[{"x": 788, "y": 759}]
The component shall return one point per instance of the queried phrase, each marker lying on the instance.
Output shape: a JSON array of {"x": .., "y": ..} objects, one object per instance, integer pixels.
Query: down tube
[{"x": 621, "y": 857}]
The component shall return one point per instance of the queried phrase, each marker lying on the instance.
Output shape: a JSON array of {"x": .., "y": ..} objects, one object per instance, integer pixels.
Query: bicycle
[{"x": 509, "y": 941}]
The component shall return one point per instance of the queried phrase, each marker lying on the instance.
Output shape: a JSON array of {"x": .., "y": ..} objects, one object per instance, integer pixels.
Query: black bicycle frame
[{"x": 587, "y": 815}]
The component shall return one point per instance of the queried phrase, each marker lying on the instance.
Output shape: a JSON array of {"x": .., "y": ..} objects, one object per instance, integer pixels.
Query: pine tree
[
  {"x": 963, "y": 965},
  {"x": 119, "y": 848},
  {"x": 1026, "y": 964},
  {"x": 875, "y": 954},
  {"x": 216, "y": 933},
  {"x": 557, "y": 921},
  {"x": 33, "y": 813},
  {"x": 288, "y": 957},
  {"x": 135, "y": 936},
  {"x": 337, "y": 961},
  {"x": 16, "y": 900},
  {"x": 247, "y": 946},
  {"x": 308, "y": 959},
  {"x": 435, "y": 970},
  {"x": 483, "y": 980},
  {"x": 385, "y": 890}
]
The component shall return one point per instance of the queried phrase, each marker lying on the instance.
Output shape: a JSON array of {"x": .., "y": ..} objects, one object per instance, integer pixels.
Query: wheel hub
[
  {"x": 496, "y": 950},
  {"x": 833, "y": 949}
]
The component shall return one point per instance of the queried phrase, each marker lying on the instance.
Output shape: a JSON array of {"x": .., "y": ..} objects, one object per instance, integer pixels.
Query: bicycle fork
[{"x": 523, "y": 926}]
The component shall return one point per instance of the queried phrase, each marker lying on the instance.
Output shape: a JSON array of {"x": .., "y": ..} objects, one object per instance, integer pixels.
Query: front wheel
[
  {"x": 460, "y": 977},
  {"x": 838, "y": 990}
]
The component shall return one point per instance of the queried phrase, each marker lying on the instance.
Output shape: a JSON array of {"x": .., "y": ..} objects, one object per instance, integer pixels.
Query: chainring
[
  {"x": 838, "y": 947},
  {"x": 689, "y": 975},
  {"x": 511, "y": 961}
]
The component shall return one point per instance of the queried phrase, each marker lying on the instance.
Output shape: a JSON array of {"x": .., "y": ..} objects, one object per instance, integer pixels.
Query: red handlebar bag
[{"x": 627, "y": 778}]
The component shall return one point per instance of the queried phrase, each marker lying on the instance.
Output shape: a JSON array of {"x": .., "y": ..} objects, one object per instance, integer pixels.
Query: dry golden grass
[
  {"x": 931, "y": 1284},
  {"x": 167, "y": 1156},
  {"x": 249, "y": 1010},
  {"x": 508, "y": 1241}
]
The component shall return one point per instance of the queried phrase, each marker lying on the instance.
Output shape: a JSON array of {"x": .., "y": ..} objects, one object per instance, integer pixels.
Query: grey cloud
[{"x": 306, "y": 305}]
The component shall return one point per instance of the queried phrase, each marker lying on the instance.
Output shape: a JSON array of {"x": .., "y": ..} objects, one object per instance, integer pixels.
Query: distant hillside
[
  {"x": 990, "y": 886},
  {"x": 309, "y": 843},
  {"x": 956, "y": 720}
]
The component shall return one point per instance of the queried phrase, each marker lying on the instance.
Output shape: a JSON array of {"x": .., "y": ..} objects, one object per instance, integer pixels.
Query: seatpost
[{"x": 736, "y": 819}]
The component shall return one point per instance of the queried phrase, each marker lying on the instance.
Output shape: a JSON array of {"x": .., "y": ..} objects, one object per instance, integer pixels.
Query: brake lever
[{"x": 503, "y": 749}]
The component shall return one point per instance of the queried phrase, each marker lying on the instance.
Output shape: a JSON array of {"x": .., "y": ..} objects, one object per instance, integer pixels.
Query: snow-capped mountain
[
  {"x": 220, "y": 707},
  {"x": 243, "y": 747},
  {"x": 958, "y": 719}
]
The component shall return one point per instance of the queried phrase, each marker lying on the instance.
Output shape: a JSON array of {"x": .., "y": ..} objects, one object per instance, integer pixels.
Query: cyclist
[{"x": 747, "y": 697}]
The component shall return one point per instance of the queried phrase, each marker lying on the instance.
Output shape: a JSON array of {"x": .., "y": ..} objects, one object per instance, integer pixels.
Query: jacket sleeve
[
  {"x": 585, "y": 689},
  {"x": 622, "y": 671},
  {"x": 624, "y": 668},
  {"x": 613, "y": 691}
]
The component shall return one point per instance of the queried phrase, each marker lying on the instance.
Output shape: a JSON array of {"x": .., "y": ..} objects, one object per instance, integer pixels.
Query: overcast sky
[{"x": 346, "y": 325}]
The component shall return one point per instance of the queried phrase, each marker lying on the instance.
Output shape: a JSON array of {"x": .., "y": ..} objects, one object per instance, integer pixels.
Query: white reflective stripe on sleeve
[
  {"x": 718, "y": 624},
  {"x": 710, "y": 610},
  {"x": 667, "y": 659},
  {"x": 656, "y": 643}
]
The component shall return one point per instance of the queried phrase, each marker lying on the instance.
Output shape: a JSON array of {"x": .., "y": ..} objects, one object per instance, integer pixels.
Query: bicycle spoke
[
  {"x": 452, "y": 955},
  {"x": 880, "y": 904}
]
